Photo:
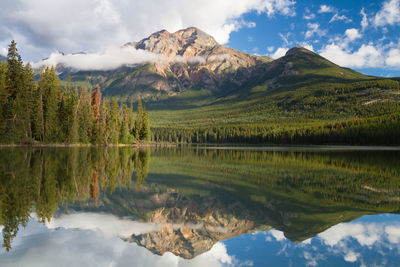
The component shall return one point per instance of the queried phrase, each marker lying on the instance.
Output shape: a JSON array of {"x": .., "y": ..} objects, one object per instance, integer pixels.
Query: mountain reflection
[{"x": 188, "y": 199}]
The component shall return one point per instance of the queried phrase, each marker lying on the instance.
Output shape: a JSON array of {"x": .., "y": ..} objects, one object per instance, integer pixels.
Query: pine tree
[
  {"x": 145, "y": 133},
  {"x": 126, "y": 136},
  {"x": 113, "y": 123},
  {"x": 3, "y": 99},
  {"x": 103, "y": 134},
  {"x": 85, "y": 116},
  {"x": 96, "y": 105},
  {"x": 28, "y": 99},
  {"x": 139, "y": 120},
  {"x": 68, "y": 116},
  {"x": 49, "y": 93},
  {"x": 13, "y": 110}
]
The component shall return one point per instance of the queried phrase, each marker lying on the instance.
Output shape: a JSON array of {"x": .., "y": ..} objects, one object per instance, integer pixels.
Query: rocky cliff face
[{"x": 192, "y": 60}]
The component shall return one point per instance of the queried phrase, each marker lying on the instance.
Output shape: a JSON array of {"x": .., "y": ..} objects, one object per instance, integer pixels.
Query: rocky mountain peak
[
  {"x": 186, "y": 43},
  {"x": 298, "y": 50}
]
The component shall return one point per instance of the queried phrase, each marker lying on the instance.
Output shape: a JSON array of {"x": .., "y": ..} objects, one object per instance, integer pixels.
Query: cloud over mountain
[{"x": 45, "y": 26}]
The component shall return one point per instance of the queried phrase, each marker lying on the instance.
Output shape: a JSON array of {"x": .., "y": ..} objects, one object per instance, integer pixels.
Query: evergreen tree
[
  {"x": 113, "y": 122},
  {"x": 13, "y": 111},
  {"x": 96, "y": 105},
  {"x": 85, "y": 116},
  {"x": 126, "y": 136},
  {"x": 28, "y": 99},
  {"x": 145, "y": 133},
  {"x": 68, "y": 116},
  {"x": 139, "y": 120},
  {"x": 3, "y": 98},
  {"x": 49, "y": 93},
  {"x": 103, "y": 134}
]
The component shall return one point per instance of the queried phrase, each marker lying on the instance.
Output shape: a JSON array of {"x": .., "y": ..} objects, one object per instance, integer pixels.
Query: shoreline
[{"x": 136, "y": 145}]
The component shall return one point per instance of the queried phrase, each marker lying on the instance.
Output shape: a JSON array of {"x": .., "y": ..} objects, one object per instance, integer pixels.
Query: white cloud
[
  {"x": 365, "y": 234},
  {"x": 389, "y": 14},
  {"x": 367, "y": 56},
  {"x": 280, "y": 52},
  {"x": 111, "y": 58},
  {"x": 338, "y": 17},
  {"x": 285, "y": 38},
  {"x": 45, "y": 26},
  {"x": 307, "y": 45},
  {"x": 108, "y": 225},
  {"x": 313, "y": 29},
  {"x": 393, "y": 233},
  {"x": 278, "y": 235},
  {"x": 326, "y": 9},
  {"x": 270, "y": 48},
  {"x": 393, "y": 58},
  {"x": 364, "y": 21},
  {"x": 352, "y": 34},
  {"x": 351, "y": 256},
  {"x": 309, "y": 16},
  {"x": 3, "y": 51}
]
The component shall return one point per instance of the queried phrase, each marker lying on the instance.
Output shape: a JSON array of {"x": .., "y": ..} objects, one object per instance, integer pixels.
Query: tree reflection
[{"x": 46, "y": 178}]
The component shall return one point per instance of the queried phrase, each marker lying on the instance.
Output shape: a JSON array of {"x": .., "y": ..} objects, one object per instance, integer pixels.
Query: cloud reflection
[{"x": 91, "y": 240}]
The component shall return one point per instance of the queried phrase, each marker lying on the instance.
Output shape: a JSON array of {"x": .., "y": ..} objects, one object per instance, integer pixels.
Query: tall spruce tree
[
  {"x": 85, "y": 116},
  {"x": 28, "y": 99},
  {"x": 145, "y": 133},
  {"x": 113, "y": 122},
  {"x": 3, "y": 99},
  {"x": 13, "y": 111},
  {"x": 49, "y": 93},
  {"x": 139, "y": 120}
]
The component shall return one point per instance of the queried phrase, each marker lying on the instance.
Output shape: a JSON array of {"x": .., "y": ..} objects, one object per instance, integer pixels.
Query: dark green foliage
[
  {"x": 48, "y": 113},
  {"x": 144, "y": 133},
  {"x": 139, "y": 120},
  {"x": 85, "y": 116},
  {"x": 13, "y": 109},
  {"x": 50, "y": 91},
  {"x": 142, "y": 124},
  {"x": 127, "y": 125},
  {"x": 383, "y": 130},
  {"x": 113, "y": 123}
]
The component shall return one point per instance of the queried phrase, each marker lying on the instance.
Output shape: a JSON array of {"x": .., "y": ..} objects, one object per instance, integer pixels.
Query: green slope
[{"x": 310, "y": 88}]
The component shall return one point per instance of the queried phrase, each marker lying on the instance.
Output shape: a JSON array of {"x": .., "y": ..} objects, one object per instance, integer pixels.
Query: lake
[{"x": 200, "y": 206}]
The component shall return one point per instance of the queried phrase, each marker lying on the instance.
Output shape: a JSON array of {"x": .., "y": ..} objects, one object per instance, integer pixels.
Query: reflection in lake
[{"x": 197, "y": 204}]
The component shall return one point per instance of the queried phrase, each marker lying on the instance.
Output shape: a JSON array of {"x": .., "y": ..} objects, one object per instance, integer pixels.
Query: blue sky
[
  {"x": 362, "y": 35},
  {"x": 272, "y": 33}
]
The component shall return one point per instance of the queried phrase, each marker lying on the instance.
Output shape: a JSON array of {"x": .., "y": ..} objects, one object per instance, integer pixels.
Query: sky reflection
[{"x": 92, "y": 239}]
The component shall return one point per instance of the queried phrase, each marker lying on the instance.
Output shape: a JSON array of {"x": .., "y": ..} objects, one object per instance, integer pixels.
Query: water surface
[{"x": 200, "y": 206}]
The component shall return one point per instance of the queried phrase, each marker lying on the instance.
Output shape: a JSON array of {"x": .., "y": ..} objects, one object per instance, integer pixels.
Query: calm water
[{"x": 200, "y": 207}]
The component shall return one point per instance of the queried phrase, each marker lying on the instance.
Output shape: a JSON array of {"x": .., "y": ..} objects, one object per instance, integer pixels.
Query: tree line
[
  {"x": 47, "y": 112},
  {"x": 380, "y": 130}
]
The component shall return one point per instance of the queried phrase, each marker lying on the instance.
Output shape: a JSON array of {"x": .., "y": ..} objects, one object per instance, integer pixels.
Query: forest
[
  {"x": 46, "y": 112},
  {"x": 381, "y": 130}
]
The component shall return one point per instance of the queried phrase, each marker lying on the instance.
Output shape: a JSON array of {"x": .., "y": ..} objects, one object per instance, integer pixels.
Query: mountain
[
  {"x": 192, "y": 59},
  {"x": 3, "y": 58},
  {"x": 200, "y": 84}
]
